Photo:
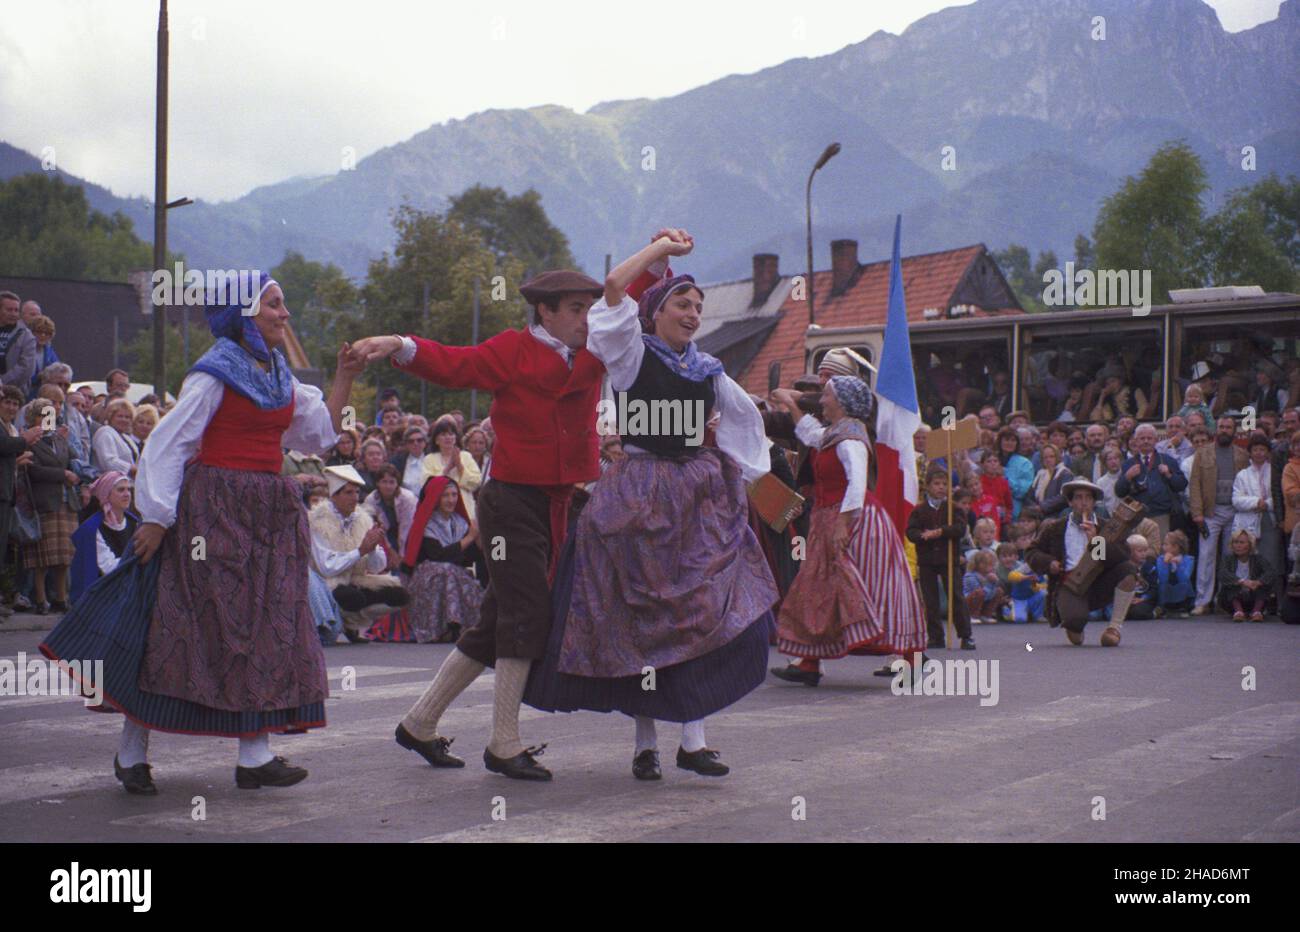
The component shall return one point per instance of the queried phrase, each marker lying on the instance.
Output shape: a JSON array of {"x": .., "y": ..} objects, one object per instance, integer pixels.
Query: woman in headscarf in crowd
[
  {"x": 1046, "y": 489},
  {"x": 143, "y": 423},
  {"x": 343, "y": 453},
  {"x": 224, "y": 645},
  {"x": 854, "y": 593},
  {"x": 478, "y": 447},
  {"x": 392, "y": 506},
  {"x": 55, "y": 500},
  {"x": 117, "y": 449},
  {"x": 662, "y": 570},
  {"x": 1017, "y": 469},
  {"x": 439, "y": 549},
  {"x": 448, "y": 459},
  {"x": 101, "y": 541}
]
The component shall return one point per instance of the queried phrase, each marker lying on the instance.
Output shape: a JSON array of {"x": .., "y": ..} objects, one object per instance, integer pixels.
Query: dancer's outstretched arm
[{"x": 669, "y": 242}]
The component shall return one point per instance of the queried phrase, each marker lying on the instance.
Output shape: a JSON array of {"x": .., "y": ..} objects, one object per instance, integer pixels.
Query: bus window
[
  {"x": 1240, "y": 364},
  {"x": 1095, "y": 376},
  {"x": 962, "y": 376}
]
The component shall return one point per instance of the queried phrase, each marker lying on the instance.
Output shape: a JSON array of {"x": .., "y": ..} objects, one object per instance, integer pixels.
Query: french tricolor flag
[{"x": 898, "y": 415}]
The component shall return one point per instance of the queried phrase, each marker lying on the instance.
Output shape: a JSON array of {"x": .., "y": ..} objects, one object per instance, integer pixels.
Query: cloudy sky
[{"x": 264, "y": 90}]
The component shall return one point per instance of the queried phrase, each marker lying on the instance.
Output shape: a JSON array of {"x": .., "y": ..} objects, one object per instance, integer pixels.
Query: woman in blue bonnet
[
  {"x": 663, "y": 598},
  {"x": 205, "y": 628}
]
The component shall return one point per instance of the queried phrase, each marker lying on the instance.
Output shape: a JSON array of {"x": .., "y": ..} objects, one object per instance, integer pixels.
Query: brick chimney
[
  {"x": 844, "y": 264},
  {"x": 765, "y": 276}
]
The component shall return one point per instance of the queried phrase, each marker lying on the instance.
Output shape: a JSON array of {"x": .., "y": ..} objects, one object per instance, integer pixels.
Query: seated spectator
[
  {"x": 1046, "y": 489},
  {"x": 1057, "y": 435},
  {"x": 344, "y": 451},
  {"x": 1018, "y": 470},
  {"x": 1146, "y": 595},
  {"x": 315, "y": 491},
  {"x": 982, "y": 589},
  {"x": 412, "y": 462},
  {"x": 448, "y": 459},
  {"x": 1072, "y": 408},
  {"x": 374, "y": 454},
  {"x": 1152, "y": 478},
  {"x": 347, "y": 551},
  {"x": 1113, "y": 461},
  {"x": 101, "y": 541},
  {"x": 477, "y": 446},
  {"x": 1026, "y": 597},
  {"x": 990, "y": 419},
  {"x": 1113, "y": 398},
  {"x": 1175, "y": 574},
  {"x": 440, "y": 549},
  {"x": 393, "y": 422},
  {"x": 1244, "y": 579},
  {"x": 985, "y": 536},
  {"x": 42, "y": 329},
  {"x": 392, "y": 507},
  {"x": 301, "y": 466},
  {"x": 1031, "y": 516},
  {"x": 116, "y": 448}
]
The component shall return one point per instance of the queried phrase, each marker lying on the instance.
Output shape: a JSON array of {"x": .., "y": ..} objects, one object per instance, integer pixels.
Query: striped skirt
[
  {"x": 862, "y": 601},
  {"x": 55, "y": 546}
]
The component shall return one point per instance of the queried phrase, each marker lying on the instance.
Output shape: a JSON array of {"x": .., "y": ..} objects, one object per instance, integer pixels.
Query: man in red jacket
[{"x": 545, "y": 389}]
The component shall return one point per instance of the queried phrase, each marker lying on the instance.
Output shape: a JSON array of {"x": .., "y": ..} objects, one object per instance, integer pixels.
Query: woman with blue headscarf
[
  {"x": 206, "y": 629},
  {"x": 854, "y": 592},
  {"x": 663, "y": 598}
]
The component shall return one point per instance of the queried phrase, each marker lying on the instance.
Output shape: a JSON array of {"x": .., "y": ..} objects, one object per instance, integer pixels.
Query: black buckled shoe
[
  {"x": 434, "y": 751},
  {"x": 275, "y": 772},
  {"x": 136, "y": 778},
  {"x": 792, "y": 674},
  {"x": 523, "y": 766},
  {"x": 703, "y": 762},
  {"x": 645, "y": 766},
  {"x": 967, "y": 643}
]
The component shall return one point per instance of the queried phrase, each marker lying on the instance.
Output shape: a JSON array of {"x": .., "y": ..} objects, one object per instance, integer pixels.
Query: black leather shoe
[
  {"x": 967, "y": 643},
  {"x": 356, "y": 637},
  {"x": 135, "y": 778},
  {"x": 58, "y": 606},
  {"x": 275, "y": 772},
  {"x": 936, "y": 645},
  {"x": 434, "y": 751},
  {"x": 703, "y": 762},
  {"x": 886, "y": 670},
  {"x": 522, "y": 766},
  {"x": 645, "y": 766},
  {"x": 792, "y": 674}
]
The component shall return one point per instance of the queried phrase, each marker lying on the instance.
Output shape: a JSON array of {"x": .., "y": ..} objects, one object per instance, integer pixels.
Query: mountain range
[{"x": 1044, "y": 120}]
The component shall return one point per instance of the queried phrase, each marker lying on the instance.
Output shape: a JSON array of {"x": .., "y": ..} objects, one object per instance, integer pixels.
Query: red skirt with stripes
[{"x": 856, "y": 601}]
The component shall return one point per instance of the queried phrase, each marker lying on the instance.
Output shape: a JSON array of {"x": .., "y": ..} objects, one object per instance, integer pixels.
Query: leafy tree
[
  {"x": 515, "y": 227},
  {"x": 137, "y": 353},
  {"x": 1025, "y": 281},
  {"x": 1084, "y": 255},
  {"x": 1154, "y": 222},
  {"x": 323, "y": 303},
  {"x": 1254, "y": 238},
  {"x": 47, "y": 230}
]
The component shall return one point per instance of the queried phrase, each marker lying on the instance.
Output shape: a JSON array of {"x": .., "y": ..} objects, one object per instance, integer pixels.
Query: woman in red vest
[{"x": 214, "y": 636}]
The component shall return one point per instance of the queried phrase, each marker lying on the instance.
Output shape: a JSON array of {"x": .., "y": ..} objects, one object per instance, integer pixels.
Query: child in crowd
[
  {"x": 1244, "y": 579},
  {"x": 982, "y": 589},
  {"x": 1144, "y": 597},
  {"x": 1175, "y": 574},
  {"x": 936, "y": 541},
  {"x": 1025, "y": 595},
  {"x": 995, "y": 498},
  {"x": 1022, "y": 535},
  {"x": 961, "y": 505},
  {"x": 986, "y": 538}
]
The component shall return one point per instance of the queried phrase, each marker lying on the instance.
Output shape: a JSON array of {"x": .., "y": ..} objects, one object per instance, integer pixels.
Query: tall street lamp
[{"x": 831, "y": 151}]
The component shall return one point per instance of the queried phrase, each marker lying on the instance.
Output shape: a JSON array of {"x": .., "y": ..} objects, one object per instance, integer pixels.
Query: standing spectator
[
  {"x": 42, "y": 329},
  {"x": 30, "y": 311},
  {"x": 17, "y": 345},
  {"x": 1214, "y": 470},
  {"x": 412, "y": 470},
  {"x": 1291, "y": 488},
  {"x": 1089, "y": 466},
  {"x": 373, "y": 455},
  {"x": 1113, "y": 461},
  {"x": 936, "y": 543},
  {"x": 116, "y": 383},
  {"x": 51, "y": 482},
  {"x": 143, "y": 423},
  {"x": 477, "y": 446},
  {"x": 14, "y": 451},
  {"x": 994, "y": 500},
  {"x": 1268, "y": 394},
  {"x": 116, "y": 448},
  {"x": 1046, "y": 489},
  {"x": 344, "y": 452},
  {"x": 393, "y": 422},
  {"x": 1175, "y": 443},
  {"x": 1018, "y": 470},
  {"x": 71, "y": 403},
  {"x": 1252, "y": 499},
  {"x": 1154, "y": 479},
  {"x": 990, "y": 419}
]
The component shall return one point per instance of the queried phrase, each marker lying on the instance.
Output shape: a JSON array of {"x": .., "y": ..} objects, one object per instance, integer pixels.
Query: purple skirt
[{"x": 662, "y": 571}]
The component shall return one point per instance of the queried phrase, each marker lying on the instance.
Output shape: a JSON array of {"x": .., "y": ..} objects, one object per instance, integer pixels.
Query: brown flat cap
[{"x": 561, "y": 281}]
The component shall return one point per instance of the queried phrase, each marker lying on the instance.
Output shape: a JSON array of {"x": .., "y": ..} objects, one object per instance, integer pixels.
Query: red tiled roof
[{"x": 928, "y": 281}]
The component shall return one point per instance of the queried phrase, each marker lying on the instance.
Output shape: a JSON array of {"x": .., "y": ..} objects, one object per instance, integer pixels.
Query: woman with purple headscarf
[
  {"x": 205, "y": 628},
  {"x": 663, "y": 598},
  {"x": 101, "y": 541}
]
